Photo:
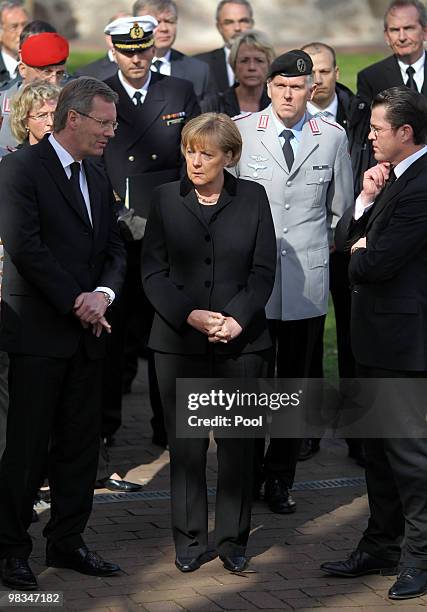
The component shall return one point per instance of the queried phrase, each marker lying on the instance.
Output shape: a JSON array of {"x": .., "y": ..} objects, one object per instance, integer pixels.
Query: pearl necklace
[{"x": 204, "y": 200}]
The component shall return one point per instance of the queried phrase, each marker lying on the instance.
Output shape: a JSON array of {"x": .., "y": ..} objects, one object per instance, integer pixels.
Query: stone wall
[{"x": 288, "y": 22}]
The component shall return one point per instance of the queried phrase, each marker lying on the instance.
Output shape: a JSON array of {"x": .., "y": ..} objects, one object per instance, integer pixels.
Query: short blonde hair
[
  {"x": 213, "y": 128},
  {"x": 36, "y": 92},
  {"x": 252, "y": 38}
]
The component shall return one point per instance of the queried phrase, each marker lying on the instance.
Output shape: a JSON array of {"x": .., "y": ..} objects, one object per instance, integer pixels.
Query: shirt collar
[
  {"x": 417, "y": 66},
  {"x": 332, "y": 108},
  {"x": 166, "y": 59},
  {"x": 400, "y": 168},
  {"x": 65, "y": 157},
  {"x": 296, "y": 129},
  {"x": 131, "y": 90},
  {"x": 10, "y": 63}
]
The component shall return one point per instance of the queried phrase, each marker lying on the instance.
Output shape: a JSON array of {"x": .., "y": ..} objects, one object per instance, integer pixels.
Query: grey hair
[
  {"x": 8, "y": 5},
  {"x": 420, "y": 6},
  {"x": 78, "y": 95},
  {"x": 159, "y": 6},
  {"x": 242, "y": 2}
]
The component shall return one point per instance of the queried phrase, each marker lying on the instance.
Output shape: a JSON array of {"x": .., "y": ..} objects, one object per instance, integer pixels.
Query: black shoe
[
  {"x": 411, "y": 582},
  {"x": 308, "y": 449},
  {"x": 236, "y": 563},
  {"x": 186, "y": 564},
  {"x": 360, "y": 563},
  {"x": 17, "y": 574},
  {"x": 123, "y": 486},
  {"x": 191, "y": 564},
  {"x": 81, "y": 560},
  {"x": 278, "y": 497}
]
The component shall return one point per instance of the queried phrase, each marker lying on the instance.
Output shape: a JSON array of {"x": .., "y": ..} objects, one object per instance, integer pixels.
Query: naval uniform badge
[{"x": 136, "y": 33}]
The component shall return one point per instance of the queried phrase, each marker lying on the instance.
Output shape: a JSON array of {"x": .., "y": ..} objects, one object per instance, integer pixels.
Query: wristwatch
[{"x": 107, "y": 297}]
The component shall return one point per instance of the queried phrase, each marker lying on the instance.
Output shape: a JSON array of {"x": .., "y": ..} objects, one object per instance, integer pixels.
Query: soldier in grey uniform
[{"x": 304, "y": 165}]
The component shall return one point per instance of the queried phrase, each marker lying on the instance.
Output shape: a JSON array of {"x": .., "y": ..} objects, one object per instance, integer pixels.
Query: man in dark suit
[
  {"x": 332, "y": 99},
  {"x": 64, "y": 264},
  {"x": 105, "y": 67},
  {"x": 405, "y": 27},
  {"x": 388, "y": 272},
  {"x": 166, "y": 60},
  {"x": 13, "y": 18},
  {"x": 232, "y": 18},
  {"x": 152, "y": 110}
]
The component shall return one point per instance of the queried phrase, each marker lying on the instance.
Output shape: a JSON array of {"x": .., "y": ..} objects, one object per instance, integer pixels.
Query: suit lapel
[
  {"x": 271, "y": 142},
  {"x": 140, "y": 119},
  {"x": 393, "y": 74},
  {"x": 54, "y": 167},
  {"x": 424, "y": 87},
  {"x": 395, "y": 189},
  {"x": 177, "y": 65},
  {"x": 307, "y": 145},
  {"x": 94, "y": 196}
]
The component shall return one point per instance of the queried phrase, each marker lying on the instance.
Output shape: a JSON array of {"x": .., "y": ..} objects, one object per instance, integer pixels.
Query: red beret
[{"x": 46, "y": 49}]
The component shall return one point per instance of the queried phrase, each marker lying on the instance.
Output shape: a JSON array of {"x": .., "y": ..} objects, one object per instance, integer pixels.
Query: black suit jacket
[
  {"x": 191, "y": 69},
  {"x": 227, "y": 102},
  {"x": 389, "y": 277},
  {"x": 218, "y": 69},
  {"x": 226, "y": 265},
  {"x": 52, "y": 253},
  {"x": 146, "y": 139},
  {"x": 101, "y": 69},
  {"x": 382, "y": 75},
  {"x": 4, "y": 73}
]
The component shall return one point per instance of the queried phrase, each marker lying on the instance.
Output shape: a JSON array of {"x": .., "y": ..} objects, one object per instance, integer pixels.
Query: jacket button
[
  {"x": 283, "y": 252},
  {"x": 285, "y": 230},
  {"x": 208, "y": 260},
  {"x": 207, "y": 238},
  {"x": 131, "y": 158},
  {"x": 208, "y": 284},
  {"x": 154, "y": 157},
  {"x": 287, "y": 207},
  {"x": 289, "y": 183}
]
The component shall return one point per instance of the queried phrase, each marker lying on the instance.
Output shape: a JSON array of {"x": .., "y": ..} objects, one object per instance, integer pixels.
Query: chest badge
[{"x": 255, "y": 168}]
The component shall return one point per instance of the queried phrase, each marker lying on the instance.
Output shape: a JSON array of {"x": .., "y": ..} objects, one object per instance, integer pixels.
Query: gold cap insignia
[{"x": 136, "y": 33}]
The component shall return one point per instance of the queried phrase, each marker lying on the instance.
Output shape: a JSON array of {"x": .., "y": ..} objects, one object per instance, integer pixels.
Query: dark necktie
[
  {"x": 411, "y": 81},
  {"x": 157, "y": 65},
  {"x": 287, "y": 148},
  {"x": 75, "y": 184},
  {"x": 138, "y": 97}
]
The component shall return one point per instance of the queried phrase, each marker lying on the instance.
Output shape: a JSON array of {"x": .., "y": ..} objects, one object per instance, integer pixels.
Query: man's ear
[{"x": 22, "y": 69}]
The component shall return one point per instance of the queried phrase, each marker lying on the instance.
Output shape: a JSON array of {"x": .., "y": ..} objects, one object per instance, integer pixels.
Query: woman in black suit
[
  {"x": 208, "y": 269},
  {"x": 250, "y": 57}
]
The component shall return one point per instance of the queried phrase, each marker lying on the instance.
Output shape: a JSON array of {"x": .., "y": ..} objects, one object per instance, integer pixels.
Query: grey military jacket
[
  {"x": 306, "y": 204},
  {"x": 6, "y": 95}
]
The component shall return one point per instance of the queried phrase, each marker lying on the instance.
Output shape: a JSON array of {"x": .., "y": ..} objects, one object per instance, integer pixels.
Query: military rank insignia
[
  {"x": 173, "y": 118},
  {"x": 263, "y": 122}
]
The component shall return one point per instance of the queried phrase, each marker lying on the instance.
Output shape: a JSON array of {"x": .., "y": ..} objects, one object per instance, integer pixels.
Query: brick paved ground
[{"x": 286, "y": 550}]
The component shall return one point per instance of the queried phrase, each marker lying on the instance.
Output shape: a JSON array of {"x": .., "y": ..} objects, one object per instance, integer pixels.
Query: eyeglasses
[
  {"x": 104, "y": 123},
  {"x": 43, "y": 117},
  {"x": 48, "y": 73},
  {"x": 377, "y": 131}
]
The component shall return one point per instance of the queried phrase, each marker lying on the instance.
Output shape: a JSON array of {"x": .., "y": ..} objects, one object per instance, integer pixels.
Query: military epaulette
[
  {"x": 330, "y": 122},
  {"x": 241, "y": 116},
  {"x": 314, "y": 126},
  {"x": 6, "y": 105}
]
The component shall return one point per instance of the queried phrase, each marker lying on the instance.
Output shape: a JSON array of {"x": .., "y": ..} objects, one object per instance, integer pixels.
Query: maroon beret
[{"x": 45, "y": 49}]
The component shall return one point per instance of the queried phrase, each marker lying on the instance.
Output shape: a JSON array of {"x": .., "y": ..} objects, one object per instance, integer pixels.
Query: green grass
[{"x": 349, "y": 65}]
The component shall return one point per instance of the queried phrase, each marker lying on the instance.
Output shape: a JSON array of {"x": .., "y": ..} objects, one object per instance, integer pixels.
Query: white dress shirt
[
  {"x": 418, "y": 66},
  {"x": 66, "y": 160},
  {"x": 296, "y": 131},
  {"x": 166, "y": 67},
  {"x": 331, "y": 109},
  {"x": 230, "y": 72},
  {"x": 11, "y": 64},
  {"x": 131, "y": 90}
]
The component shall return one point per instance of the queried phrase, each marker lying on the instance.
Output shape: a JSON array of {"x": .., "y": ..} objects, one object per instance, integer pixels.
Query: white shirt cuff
[
  {"x": 360, "y": 209},
  {"x": 107, "y": 290}
]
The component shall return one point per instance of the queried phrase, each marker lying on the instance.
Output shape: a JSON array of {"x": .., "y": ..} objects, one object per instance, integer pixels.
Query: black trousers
[
  {"x": 294, "y": 343},
  {"x": 396, "y": 477},
  {"x": 53, "y": 404},
  {"x": 188, "y": 460}
]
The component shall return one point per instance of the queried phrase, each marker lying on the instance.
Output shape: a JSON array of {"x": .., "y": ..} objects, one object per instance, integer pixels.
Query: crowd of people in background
[{"x": 198, "y": 211}]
